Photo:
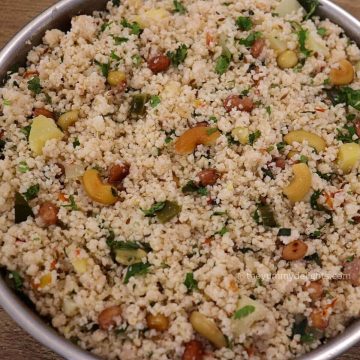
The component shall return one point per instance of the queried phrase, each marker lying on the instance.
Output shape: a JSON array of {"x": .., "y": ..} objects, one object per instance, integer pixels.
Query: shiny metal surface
[{"x": 59, "y": 16}]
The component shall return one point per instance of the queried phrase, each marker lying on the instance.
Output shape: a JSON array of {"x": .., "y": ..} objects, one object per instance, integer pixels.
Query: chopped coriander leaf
[
  {"x": 302, "y": 36},
  {"x": 16, "y": 280},
  {"x": 314, "y": 257},
  {"x": 114, "y": 56},
  {"x": 326, "y": 82},
  {"x": 267, "y": 172},
  {"x": 105, "y": 25},
  {"x": 345, "y": 95},
  {"x": 346, "y": 135},
  {"x": 252, "y": 37},
  {"x": 136, "y": 59},
  {"x": 321, "y": 31},
  {"x": 302, "y": 328},
  {"x": 310, "y": 6},
  {"x": 6, "y": 102},
  {"x": 244, "y": 23},
  {"x": 190, "y": 282},
  {"x": 284, "y": 232},
  {"x": 315, "y": 235},
  {"x": 350, "y": 117},
  {"x": 222, "y": 231},
  {"x": 48, "y": 98},
  {"x": 223, "y": 61},
  {"x": 179, "y": 55},
  {"x": 120, "y": 40},
  {"x": 105, "y": 68},
  {"x": 154, "y": 101},
  {"x": 76, "y": 143},
  {"x": 254, "y": 136},
  {"x": 350, "y": 258},
  {"x": 268, "y": 110},
  {"x": 154, "y": 209},
  {"x": 281, "y": 146},
  {"x": 22, "y": 209},
  {"x": 23, "y": 167},
  {"x": 26, "y": 131},
  {"x": 136, "y": 269},
  {"x": 192, "y": 187},
  {"x": 34, "y": 85},
  {"x": 72, "y": 205},
  {"x": 179, "y": 7},
  {"x": 327, "y": 176},
  {"x": 213, "y": 119},
  {"x": 135, "y": 27},
  {"x": 304, "y": 159},
  {"x": 32, "y": 192},
  {"x": 314, "y": 201},
  {"x": 256, "y": 216},
  {"x": 244, "y": 311}
]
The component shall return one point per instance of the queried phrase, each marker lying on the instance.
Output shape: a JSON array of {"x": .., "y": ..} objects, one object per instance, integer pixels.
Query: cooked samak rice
[{"x": 180, "y": 180}]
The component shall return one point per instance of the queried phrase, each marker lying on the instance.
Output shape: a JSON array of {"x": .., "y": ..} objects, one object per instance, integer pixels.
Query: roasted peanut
[
  {"x": 352, "y": 271},
  {"x": 99, "y": 192},
  {"x": 44, "y": 112},
  {"x": 208, "y": 329},
  {"x": 158, "y": 63},
  {"x": 109, "y": 317},
  {"x": 319, "y": 319},
  {"x": 208, "y": 177},
  {"x": 158, "y": 322},
  {"x": 295, "y": 250},
  {"x": 118, "y": 173},
  {"x": 193, "y": 351},
  {"x": 343, "y": 75},
  {"x": 280, "y": 163},
  {"x": 300, "y": 184},
  {"x": 257, "y": 48},
  {"x": 238, "y": 103},
  {"x": 188, "y": 141},
  {"x": 315, "y": 290},
  {"x": 48, "y": 213}
]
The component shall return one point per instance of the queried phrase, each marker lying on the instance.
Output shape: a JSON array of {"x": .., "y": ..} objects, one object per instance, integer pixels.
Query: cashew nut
[
  {"x": 343, "y": 75},
  {"x": 299, "y": 136},
  {"x": 301, "y": 183},
  {"x": 188, "y": 141},
  {"x": 99, "y": 192}
]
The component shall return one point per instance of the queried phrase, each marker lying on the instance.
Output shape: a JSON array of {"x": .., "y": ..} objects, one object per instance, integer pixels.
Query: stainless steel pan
[{"x": 59, "y": 16}]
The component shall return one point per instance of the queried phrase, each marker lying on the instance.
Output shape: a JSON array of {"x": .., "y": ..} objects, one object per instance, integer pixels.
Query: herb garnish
[
  {"x": 244, "y": 23},
  {"x": 254, "y": 136},
  {"x": 72, "y": 205},
  {"x": 192, "y": 187},
  {"x": 190, "y": 282},
  {"x": 251, "y": 38},
  {"x": 179, "y": 7},
  {"x": 34, "y": 85},
  {"x": 136, "y": 269},
  {"x": 154, "y": 101},
  {"x": 179, "y": 55},
  {"x": 31, "y": 192},
  {"x": 134, "y": 27},
  {"x": 244, "y": 311},
  {"x": 302, "y": 36},
  {"x": 223, "y": 61},
  {"x": 105, "y": 68}
]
